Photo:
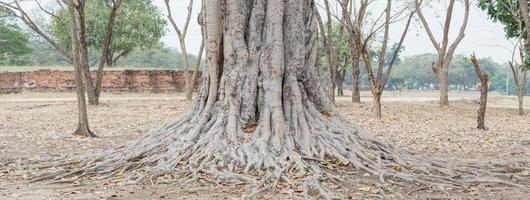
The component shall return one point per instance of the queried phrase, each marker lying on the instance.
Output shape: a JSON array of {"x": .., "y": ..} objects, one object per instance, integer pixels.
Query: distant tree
[
  {"x": 415, "y": 72},
  {"x": 163, "y": 57},
  {"x": 181, "y": 34},
  {"x": 14, "y": 43},
  {"x": 378, "y": 73},
  {"x": 139, "y": 25},
  {"x": 354, "y": 17},
  {"x": 445, "y": 49},
  {"x": 339, "y": 55}
]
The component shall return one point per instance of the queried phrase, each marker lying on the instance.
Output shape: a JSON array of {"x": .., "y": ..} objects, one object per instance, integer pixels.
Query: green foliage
[
  {"x": 415, "y": 72},
  {"x": 508, "y": 13},
  {"x": 14, "y": 43},
  {"x": 157, "y": 58},
  {"x": 139, "y": 25},
  {"x": 501, "y": 11},
  {"x": 343, "y": 58},
  {"x": 163, "y": 57}
]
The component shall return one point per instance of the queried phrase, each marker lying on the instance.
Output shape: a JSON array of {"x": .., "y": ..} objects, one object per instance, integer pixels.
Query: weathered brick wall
[{"x": 113, "y": 81}]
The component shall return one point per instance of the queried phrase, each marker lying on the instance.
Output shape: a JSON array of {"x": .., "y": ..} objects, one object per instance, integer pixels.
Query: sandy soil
[{"x": 38, "y": 125}]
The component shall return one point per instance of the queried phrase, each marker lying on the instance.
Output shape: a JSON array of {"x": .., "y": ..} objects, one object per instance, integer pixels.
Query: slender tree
[
  {"x": 483, "y": 77},
  {"x": 378, "y": 80},
  {"x": 332, "y": 38},
  {"x": 83, "y": 128},
  {"x": 520, "y": 75},
  {"x": 351, "y": 19},
  {"x": 181, "y": 33},
  {"x": 114, "y": 6},
  {"x": 445, "y": 49}
]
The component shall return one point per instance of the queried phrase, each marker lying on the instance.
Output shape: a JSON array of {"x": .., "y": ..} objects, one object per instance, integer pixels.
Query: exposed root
[
  {"x": 199, "y": 149},
  {"x": 84, "y": 132}
]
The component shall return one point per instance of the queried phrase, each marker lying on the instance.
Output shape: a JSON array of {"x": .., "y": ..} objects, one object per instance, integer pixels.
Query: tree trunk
[
  {"x": 443, "y": 84},
  {"x": 520, "y": 99},
  {"x": 262, "y": 116},
  {"x": 524, "y": 69},
  {"x": 483, "y": 103},
  {"x": 83, "y": 53},
  {"x": 82, "y": 125},
  {"x": 105, "y": 51},
  {"x": 187, "y": 75},
  {"x": 483, "y": 93},
  {"x": 356, "y": 94},
  {"x": 191, "y": 88},
  {"x": 340, "y": 81},
  {"x": 376, "y": 100}
]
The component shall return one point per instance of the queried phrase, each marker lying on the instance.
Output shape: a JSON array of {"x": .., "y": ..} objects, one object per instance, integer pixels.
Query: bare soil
[{"x": 37, "y": 125}]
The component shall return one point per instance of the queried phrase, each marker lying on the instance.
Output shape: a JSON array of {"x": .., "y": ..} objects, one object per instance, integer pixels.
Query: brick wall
[{"x": 113, "y": 81}]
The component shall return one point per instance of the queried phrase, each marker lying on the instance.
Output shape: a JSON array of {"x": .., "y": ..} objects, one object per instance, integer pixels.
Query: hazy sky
[{"x": 482, "y": 35}]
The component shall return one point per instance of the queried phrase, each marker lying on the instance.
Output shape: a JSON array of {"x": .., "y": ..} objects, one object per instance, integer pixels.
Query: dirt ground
[{"x": 36, "y": 125}]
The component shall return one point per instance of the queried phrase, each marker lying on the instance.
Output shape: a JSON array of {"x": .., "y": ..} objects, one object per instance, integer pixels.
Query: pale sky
[{"x": 482, "y": 35}]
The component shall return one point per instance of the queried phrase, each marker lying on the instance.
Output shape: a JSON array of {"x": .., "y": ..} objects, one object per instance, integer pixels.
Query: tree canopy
[
  {"x": 139, "y": 25},
  {"x": 14, "y": 42}
]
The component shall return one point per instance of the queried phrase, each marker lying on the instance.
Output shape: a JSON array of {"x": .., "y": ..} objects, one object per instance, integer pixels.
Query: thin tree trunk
[
  {"x": 82, "y": 125},
  {"x": 444, "y": 88},
  {"x": 187, "y": 75},
  {"x": 376, "y": 101},
  {"x": 356, "y": 94},
  {"x": 340, "y": 82},
  {"x": 521, "y": 90},
  {"x": 182, "y": 40},
  {"x": 83, "y": 53},
  {"x": 483, "y": 93},
  {"x": 105, "y": 51},
  {"x": 191, "y": 88}
]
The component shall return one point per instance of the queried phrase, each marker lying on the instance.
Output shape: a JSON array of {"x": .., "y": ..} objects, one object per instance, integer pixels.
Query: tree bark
[
  {"x": 443, "y": 77},
  {"x": 340, "y": 81},
  {"x": 376, "y": 100},
  {"x": 82, "y": 125},
  {"x": 354, "y": 56},
  {"x": 483, "y": 93}
]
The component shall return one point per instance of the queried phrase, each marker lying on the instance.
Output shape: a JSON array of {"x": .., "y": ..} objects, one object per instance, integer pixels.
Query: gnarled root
[{"x": 196, "y": 146}]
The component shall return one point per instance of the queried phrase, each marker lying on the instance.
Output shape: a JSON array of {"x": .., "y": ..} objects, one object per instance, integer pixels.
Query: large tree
[
  {"x": 445, "y": 48},
  {"x": 262, "y": 117}
]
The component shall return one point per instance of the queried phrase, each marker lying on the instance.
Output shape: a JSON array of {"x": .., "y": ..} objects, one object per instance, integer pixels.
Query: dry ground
[{"x": 39, "y": 124}]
